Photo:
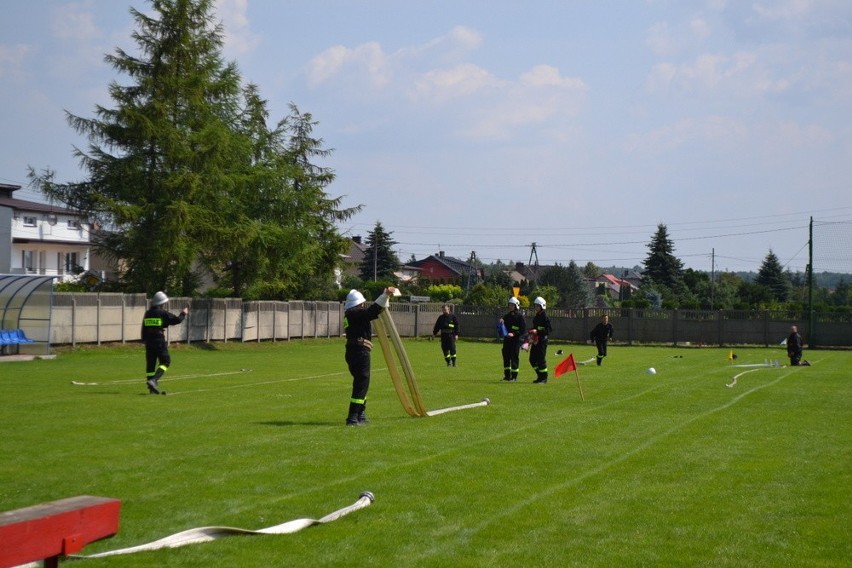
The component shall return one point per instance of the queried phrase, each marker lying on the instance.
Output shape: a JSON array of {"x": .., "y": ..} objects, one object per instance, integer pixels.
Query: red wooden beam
[{"x": 57, "y": 528}]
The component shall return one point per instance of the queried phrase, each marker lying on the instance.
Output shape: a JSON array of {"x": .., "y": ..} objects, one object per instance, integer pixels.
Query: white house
[{"x": 38, "y": 238}]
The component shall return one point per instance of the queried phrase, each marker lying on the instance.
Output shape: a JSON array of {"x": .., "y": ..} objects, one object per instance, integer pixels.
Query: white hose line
[
  {"x": 767, "y": 363},
  {"x": 174, "y": 378},
  {"x": 734, "y": 382},
  {"x": 483, "y": 402},
  {"x": 207, "y": 534}
]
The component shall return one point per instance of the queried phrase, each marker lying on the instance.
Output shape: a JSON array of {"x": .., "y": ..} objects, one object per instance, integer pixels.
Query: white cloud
[
  {"x": 743, "y": 74},
  {"x": 12, "y": 58},
  {"x": 549, "y": 76},
  {"x": 366, "y": 62},
  {"x": 788, "y": 10},
  {"x": 370, "y": 65},
  {"x": 76, "y": 22},
  {"x": 239, "y": 38},
  {"x": 440, "y": 85},
  {"x": 451, "y": 47},
  {"x": 486, "y": 106},
  {"x": 716, "y": 131},
  {"x": 541, "y": 97},
  {"x": 665, "y": 40},
  {"x": 465, "y": 37},
  {"x": 798, "y": 135}
]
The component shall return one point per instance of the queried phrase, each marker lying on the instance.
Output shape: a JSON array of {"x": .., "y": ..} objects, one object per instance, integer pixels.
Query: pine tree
[
  {"x": 662, "y": 267},
  {"x": 157, "y": 160},
  {"x": 380, "y": 262},
  {"x": 184, "y": 172},
  {"x": 591, "y": 270},
  {"x": 771, "y": 276}
]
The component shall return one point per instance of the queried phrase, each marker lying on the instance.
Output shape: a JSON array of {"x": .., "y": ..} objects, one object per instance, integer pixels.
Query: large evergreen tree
[
  {"x": 771, "y": 276},
  {"x": 289, "y": 246},
  {"x": 662, "y": 267},
  {"x": 184, "y": 171},
  {"x": 380, "y": 261},
  {"x": 158, "y": 160}
]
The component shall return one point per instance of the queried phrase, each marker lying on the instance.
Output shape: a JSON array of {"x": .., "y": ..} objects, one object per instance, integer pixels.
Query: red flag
[{"x": 567, "y": 365}]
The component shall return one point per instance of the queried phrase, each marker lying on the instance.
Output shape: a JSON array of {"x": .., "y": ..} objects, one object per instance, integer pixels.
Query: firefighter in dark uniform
[
  {"x": 154, "y": 324},
  {"x": 359, "y": 332},
  {"x": 515, "y": 327},
  {"x": 448, "y": 326},
  {"x": 538, "y": 337},
  {"x": 794, "y": 348},
  {"x": 601, "y": 334}
]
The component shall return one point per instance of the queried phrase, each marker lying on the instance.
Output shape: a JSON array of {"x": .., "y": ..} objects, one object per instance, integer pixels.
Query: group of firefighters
[{"x": 357, "y": 319}]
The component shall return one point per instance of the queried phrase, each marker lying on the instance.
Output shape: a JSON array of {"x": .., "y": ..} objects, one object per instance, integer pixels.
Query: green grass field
[{"x": 674, "y": 469}]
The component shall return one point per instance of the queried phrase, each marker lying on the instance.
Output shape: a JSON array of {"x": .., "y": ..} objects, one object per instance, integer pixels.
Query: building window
[
  {"x": 73, "y": 223},
  {"x": 29, "y": 221},
  {"x": 28, "y": 258},
  {"x": 71, "y": 266}
]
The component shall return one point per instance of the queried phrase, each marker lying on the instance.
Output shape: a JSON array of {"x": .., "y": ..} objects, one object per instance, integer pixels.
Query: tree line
[{"x": 664, "y": 283}]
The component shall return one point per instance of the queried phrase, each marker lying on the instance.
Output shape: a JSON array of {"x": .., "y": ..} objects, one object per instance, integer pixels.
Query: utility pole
[
  {"x": 472, "y": 272},
  {"x": 812, "y": 342},
  {"x": 712, "y": 276},
  {"x": 533, "y": 267}
]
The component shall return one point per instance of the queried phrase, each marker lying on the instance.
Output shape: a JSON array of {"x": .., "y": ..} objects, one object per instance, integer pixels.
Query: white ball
[{"x": 651, "y": 371}]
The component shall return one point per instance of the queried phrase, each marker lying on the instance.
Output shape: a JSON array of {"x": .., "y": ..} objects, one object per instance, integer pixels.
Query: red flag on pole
[{"x": 567, "y": 365}]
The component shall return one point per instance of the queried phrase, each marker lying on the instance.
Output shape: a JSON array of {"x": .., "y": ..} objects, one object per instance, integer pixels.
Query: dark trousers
[
  {"x": 538, "y": 357},
  {"x": 511, "y": 357},
  {"x": 157, "y": 358},
  {"x": 448, "y": 346},
  {"x": 358, "y": 360},
  {"x": 601, "y": 345},
  {"x": 795, "y": 358}
]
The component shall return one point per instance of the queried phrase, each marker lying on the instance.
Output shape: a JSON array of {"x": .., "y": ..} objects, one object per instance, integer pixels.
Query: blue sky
[{"x": 474, "y": 126}]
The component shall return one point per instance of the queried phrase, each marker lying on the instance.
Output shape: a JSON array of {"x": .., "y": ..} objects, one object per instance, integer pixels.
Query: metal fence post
[
  {"x": 98, "y": 320},
  {"x": 73, "y": 321},
  {"x": 630, "y": 313},
  {"x": 674, "y": 326}
]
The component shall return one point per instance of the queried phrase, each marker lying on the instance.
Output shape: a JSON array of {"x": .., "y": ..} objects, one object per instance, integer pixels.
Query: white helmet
[
  {"x": 159, "y": 299},
  {"x": 514, "y": 301},
  {"x": 353, "y": 298},
  {"x": 541, "y": 302}
]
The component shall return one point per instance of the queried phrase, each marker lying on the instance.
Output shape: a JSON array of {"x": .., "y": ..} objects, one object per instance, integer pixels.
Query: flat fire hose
[
  {"x": 396, "y": 357},
  {"x": 207, "y": 534}
]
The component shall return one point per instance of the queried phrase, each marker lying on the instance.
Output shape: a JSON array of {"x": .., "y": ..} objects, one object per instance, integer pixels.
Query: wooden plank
[{"x": 56, "y": 528}]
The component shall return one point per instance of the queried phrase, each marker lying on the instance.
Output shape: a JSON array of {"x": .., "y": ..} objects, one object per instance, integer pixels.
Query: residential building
[
  {"x": 352, "y": 260},
  {"x": 442, "y": 269},
  {"x": 617, "y": 288},
  {"x": 39, "y": 238}
]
